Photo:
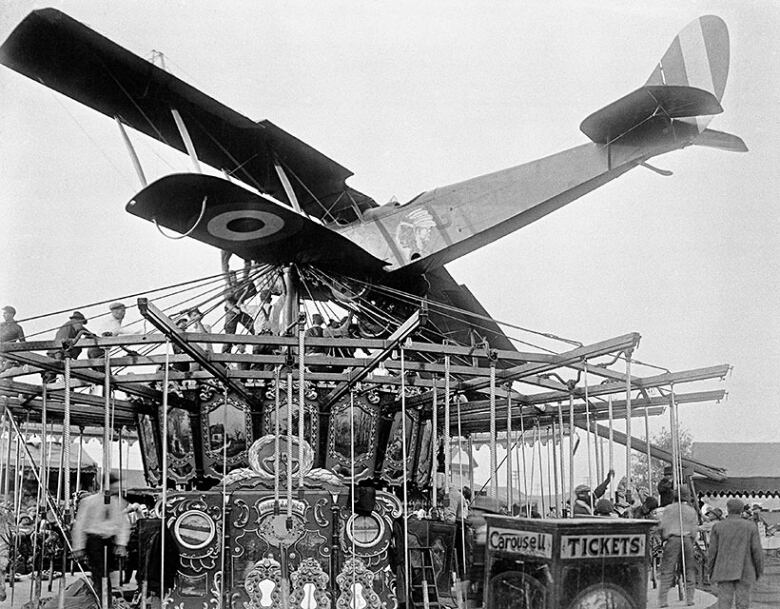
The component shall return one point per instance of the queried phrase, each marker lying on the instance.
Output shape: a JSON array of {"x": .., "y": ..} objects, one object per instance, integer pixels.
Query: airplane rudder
[{"x": 698, "y": 57}]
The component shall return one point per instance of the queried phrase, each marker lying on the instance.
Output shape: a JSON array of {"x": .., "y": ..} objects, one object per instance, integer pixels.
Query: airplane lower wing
[{"x": 230, "y": 217}]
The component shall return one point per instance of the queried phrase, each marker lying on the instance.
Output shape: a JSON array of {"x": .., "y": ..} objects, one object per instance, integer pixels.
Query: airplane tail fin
[{"x": 685, "y": 87}]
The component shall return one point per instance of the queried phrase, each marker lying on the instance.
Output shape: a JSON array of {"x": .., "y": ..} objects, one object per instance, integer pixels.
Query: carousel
[{"x": 297, "y": 417}]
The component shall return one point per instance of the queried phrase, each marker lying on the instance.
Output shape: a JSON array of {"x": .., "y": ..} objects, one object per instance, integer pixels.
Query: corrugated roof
[{"x": 741, "y": 459}]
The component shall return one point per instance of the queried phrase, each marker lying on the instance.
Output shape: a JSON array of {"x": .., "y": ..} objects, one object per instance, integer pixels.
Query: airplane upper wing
[{"x": 50, "y": 47}]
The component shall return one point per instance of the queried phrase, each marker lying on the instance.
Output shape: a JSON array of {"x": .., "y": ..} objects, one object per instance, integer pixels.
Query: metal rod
[
  {"x": 131, "y": 150},
  {"x": 629, "y": 485},
  {"x": 572, "y": 497},
  {"x": 164, "y": 500},
  {"x": 407, "y": 586},
  {"x": 301, "y": 394},
  {"x": 493, "y": 456},
  {"x": 509, "y": 490},
  {"x": 185, "y": 136}
]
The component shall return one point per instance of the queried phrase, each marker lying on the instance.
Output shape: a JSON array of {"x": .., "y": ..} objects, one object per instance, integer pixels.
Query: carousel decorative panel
[
  {"x": 150, "y": 448},
  {"x": 393, "y": 465},
  {"x": 226, "y": 432},
  {"x": 181, "y": 448},
  {"x": 342, "y": 442}
]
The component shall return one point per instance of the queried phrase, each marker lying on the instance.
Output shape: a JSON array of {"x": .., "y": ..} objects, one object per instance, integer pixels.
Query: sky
[{"x": 414, "y": 95}]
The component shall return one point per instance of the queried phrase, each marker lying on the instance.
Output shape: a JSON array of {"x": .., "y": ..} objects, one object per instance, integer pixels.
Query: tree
[{"x": 663, "y": 439}]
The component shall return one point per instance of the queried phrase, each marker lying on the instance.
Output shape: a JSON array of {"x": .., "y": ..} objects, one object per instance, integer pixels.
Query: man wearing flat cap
[
  {"x": 111, "y": 326},
  {"x": 10, "y": 332},
  {"x": 735, "y": 557},
  {"x": 69, "y": 332}
]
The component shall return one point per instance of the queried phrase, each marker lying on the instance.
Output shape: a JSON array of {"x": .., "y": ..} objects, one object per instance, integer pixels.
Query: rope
[
  {"x": 572, "y": 496},
  {"x": 189, "y": 232},
  {"x": 556, "y": 503}
]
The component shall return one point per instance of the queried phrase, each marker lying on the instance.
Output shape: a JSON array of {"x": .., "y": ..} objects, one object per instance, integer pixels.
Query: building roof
[
  {"x": 739, "y": 486},
  {"x": 741, "y": 459}
]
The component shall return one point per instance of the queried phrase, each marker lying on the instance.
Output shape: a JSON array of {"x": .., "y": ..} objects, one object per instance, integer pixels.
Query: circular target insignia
[{"x": 244, "y": 225}]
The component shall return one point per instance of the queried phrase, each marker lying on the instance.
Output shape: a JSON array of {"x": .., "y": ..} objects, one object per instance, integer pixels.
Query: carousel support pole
[
  {"x": 509, "y": 489},
  {"x": 16, "y": 510},
  {"x": 447, "y": 440},
  {"x": 556, "y": 487},
  {"x": 301, "y": 396},
  {"x": 588, "y": 435},
  {"x": 462, "y": 585},
  {"x": 572, "y": 497},
  {"x": 222, "y": 548},
  {"x": 525, "y": 474},
  {"x": 629, "y": 484},
  {"x": 435, "y": 444},
  {"x": 37, "y": 569},
  {"x": 164, "y": 498},
  {"x": 5, "y": 440},
  {"x": 647, "y": 447},
  {"x": 561, "y": 430},
  {"x": 121, "y": 562},
  {"x": 493, "y": 456},
  {"x": 405, "y": 487},
  {"x": 107, "y": 437},
  {"x": 611, "y": 447},
  {"x": 541, "y": 468},
  {"x": 470, "y": 445},
  {"x": 66, "y": 477},
  {"x": 551, "y": 502}
]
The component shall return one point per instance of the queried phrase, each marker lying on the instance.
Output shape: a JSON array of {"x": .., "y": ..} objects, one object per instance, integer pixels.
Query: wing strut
[
  {"x": 185, "y": 136},
  {"x": 133, "y": 156},
  {"x": 288, "y": 189}
]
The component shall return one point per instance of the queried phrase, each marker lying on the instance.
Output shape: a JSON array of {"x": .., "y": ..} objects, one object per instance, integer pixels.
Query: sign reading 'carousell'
[
  {"x": 602, "y": 546},
  {"x": 527, "y": 543}
]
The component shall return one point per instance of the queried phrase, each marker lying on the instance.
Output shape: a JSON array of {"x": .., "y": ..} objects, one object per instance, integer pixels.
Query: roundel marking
[{"x": 244, "y": 225}]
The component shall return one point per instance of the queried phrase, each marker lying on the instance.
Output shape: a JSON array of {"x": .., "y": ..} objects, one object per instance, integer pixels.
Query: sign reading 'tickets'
[
  {"x": 602, "y": 546},
  {"x": 527, "y": 543}
]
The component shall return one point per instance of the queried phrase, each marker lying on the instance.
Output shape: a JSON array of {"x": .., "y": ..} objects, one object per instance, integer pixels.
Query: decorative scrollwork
[
  {"x": 356, "y": 585},
  {"x": 309, "y": 585},
  {"x": 263, "y": 584}
]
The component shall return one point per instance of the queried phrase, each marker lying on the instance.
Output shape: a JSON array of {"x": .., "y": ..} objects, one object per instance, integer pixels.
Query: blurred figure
[
  {"x": 605, "y": 509},
  {"x": 735, "y": 557},
  {"x": 10, "y": 332},
  {"x": 679, "y": 524},
  {"x": 586, "y": 499},
  {"x": 100, "y": 533}
]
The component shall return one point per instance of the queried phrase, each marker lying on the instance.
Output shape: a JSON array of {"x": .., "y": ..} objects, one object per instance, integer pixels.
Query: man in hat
[
  {"x": 678, "y": 526},
  {"x": 101, "y": 532},
  {"x": 666, "y": 487},
  {"x": 68, "y": 333},
  {"x": 10, "y": 332},
  {"x": 735, "y": 557},
  {"x": 586, "y": 499},
  {"x": 112, "y": 326}
]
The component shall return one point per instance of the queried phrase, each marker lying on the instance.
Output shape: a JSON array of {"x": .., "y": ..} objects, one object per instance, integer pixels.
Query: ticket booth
[{"x": 566, "y": 564}]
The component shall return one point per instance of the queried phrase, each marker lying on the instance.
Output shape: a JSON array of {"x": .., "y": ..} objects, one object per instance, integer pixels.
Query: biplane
[{"x": 279, "y": 203}]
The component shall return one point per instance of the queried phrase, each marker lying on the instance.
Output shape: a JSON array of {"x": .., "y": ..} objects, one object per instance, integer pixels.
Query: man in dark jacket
[
  {"x": 666, "y": 487},
  {"x": 69, "y": 332},
  {"x": 735, "y": 557}
]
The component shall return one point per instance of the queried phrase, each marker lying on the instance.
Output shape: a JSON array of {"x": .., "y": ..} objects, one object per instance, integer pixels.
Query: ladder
[{"x": 423, "y": 593}]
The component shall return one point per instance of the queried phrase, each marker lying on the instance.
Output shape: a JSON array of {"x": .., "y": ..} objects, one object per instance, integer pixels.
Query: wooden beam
[
  {"x": 711, "y": 472},
  {"x": 164, "y": 323}
]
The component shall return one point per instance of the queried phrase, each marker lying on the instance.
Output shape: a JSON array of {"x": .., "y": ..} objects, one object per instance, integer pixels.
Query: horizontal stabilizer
[
  {"x": 720, "y": 140},
  {"x": 629, "y": 112}
]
